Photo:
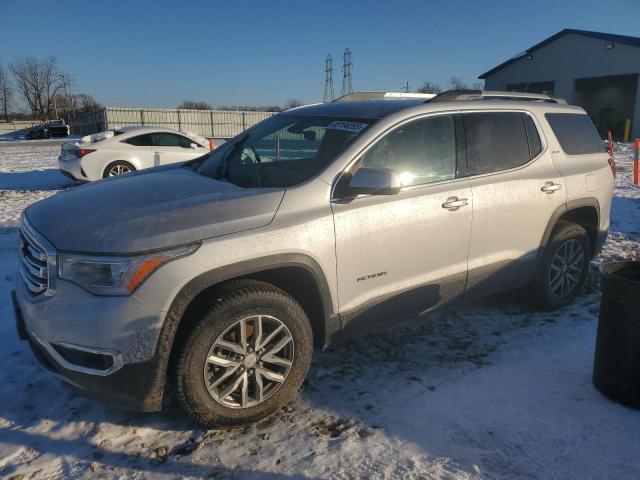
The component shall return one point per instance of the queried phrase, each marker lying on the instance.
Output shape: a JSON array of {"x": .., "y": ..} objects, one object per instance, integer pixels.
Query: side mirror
[
  {"x": 373, "y": 181},
  {"x": 309, "y": 135},
  {"x": 194, "y": 146}
]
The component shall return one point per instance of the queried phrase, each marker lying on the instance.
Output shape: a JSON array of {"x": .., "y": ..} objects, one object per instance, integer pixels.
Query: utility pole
[
  {"x": 347, "y": 87},
  {"x": 328, "y": 81},
  {"x": 406, "y": 87}
]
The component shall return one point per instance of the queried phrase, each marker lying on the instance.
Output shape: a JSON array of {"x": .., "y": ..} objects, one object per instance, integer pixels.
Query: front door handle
[
  {"x": 454, "y": 203},
  {"x": 551, "y": 187}
]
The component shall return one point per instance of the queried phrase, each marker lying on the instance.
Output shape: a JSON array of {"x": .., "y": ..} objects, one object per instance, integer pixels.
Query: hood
[{"x": 150, "y": 210}]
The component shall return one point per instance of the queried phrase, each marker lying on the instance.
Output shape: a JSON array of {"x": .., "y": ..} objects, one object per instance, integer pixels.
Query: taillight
[
  {"x": 81, "y": 152},
  {"x": 212, "y": 146}
]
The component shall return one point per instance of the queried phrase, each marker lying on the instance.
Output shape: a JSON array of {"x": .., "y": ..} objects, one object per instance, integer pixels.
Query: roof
[
  {"x": 150, "y": 128},
  {"x": 374, "y": 109},
  {"x": 609, "y": 37}
]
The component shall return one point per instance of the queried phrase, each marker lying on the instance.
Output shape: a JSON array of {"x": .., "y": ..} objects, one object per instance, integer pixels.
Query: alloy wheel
[
  {"x": 249, "y": 362},
  {"x": 118, "y": 170},
  {"x": 566, "y": 268}
]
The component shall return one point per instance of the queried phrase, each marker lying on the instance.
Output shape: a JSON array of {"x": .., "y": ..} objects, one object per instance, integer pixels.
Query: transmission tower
[
  {"x": 405, "y": 87},
  {"x": 346, "y": 73},
  {"x": 328, "y": 81}
]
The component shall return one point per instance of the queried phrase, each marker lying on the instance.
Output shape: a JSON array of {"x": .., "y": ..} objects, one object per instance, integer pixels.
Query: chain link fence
[{"x": 207, "y": 123}]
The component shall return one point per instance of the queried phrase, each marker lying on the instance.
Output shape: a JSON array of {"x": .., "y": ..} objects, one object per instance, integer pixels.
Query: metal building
[{"x": 598, "y": 71}]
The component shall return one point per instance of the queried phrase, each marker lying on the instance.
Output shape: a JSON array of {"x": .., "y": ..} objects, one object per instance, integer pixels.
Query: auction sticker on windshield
[{"x": 347, "y": 126}]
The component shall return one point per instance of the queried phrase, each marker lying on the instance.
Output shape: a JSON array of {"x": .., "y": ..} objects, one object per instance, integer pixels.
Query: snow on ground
[
  {"x": 483, "y": 390},
  {"x": 28, "y": 173}
]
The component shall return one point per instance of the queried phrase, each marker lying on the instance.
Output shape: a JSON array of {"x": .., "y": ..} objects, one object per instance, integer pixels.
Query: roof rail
[
  {"x": 359, "y": 96},
  {"x": 453, "y": 95}
]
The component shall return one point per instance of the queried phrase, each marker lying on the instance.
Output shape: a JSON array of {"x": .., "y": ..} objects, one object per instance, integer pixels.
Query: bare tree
[
  {"x": 477, "y": 85},
  {"x": 85, "y": 103},
  {"x": 6, "y": 92},
  {"x": 457, "y": 83},
  {"x": 77, "y": 104},
  {"x": 191, "y": 105},
  {"x": 38, "y": 81},
  {"x": 429, "y": 87},
  {"x": 292, "y": 103}
]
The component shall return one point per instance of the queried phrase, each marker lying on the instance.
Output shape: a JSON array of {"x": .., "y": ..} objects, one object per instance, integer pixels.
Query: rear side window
[
  {"x": 140, "y": 141},
  {"x": 495, "y": 141},
  {"x": 163, "y": 139},
  {"x": 576, "y": 133}
]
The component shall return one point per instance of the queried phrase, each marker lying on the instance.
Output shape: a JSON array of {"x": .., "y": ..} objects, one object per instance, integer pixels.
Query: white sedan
[{"x": 127, "y": 149}]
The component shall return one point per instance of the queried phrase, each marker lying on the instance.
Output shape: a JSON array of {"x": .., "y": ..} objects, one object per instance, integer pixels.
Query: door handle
[
  {"x": 551, "y": 187},
  {"x": 454, "y": 203}
]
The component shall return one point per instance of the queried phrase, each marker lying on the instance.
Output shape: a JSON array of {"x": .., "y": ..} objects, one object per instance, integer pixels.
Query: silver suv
[{"x": 214, "y": 279}]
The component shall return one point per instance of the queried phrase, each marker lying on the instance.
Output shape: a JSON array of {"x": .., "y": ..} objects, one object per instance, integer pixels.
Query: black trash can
[{"x": 616, "y": 368}]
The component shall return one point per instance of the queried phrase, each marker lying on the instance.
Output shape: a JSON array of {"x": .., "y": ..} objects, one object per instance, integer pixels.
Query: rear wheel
[
  {"x": 118, "y": 168},
  {"x": 245, "y": 357},
  {"x": 564, "y": 266}
]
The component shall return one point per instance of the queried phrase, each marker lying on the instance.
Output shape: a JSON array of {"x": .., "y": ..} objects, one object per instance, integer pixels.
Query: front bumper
[
  {"x": 105, "y": 347},
  {"x": 137, "y": 386}
]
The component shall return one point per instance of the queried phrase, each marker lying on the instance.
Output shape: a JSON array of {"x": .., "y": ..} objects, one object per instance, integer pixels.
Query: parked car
[
  {"x": 214, "y": 279},
  {"x": 127, "y": 149},
  {"x": 48, "y": 130}
]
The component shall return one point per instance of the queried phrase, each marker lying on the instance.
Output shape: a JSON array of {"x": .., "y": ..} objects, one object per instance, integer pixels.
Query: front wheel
[
  {"x": 564, "y": 266},
  {"x": 245, "y": 357}
]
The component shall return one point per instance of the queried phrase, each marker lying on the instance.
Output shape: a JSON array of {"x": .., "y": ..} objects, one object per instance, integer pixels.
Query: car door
[
  {"x": 171, "y": 148},
  {"x": 406, "y": 253},
  {"x": 516, "y": 189},
  {"x": 139, "y": 151}
]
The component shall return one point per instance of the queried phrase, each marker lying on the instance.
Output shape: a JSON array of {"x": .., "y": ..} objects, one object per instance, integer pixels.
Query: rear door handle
[
  {"x": 454, "y": 203},
  {"x": 551, "y": 187}
]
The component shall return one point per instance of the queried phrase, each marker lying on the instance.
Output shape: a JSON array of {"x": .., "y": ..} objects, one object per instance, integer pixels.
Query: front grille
[{"x": 34, "y": 267}]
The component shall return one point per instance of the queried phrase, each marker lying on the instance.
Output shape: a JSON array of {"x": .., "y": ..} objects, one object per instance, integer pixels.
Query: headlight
[{"x": 115, "y": 274}]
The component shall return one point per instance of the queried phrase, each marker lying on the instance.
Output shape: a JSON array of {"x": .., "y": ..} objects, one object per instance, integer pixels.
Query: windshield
[{"x": 282, "y": 151}]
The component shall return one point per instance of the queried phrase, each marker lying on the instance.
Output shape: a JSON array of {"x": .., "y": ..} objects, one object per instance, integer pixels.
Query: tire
[
  {"x": 568, "y": 240},
  {"x": 126, "y": 167},
  {"x": 243, "y": 300}
]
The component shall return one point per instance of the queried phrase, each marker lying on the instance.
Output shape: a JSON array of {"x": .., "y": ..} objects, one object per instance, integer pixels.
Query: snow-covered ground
[{"x": 489, "y": 389}]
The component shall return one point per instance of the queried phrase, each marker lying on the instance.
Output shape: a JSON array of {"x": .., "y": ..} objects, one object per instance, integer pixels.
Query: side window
[
  {"x": 495, "y": 141},
  {"x": 576, "y": 133},
  {"x": 422, "y": 151},
  {"x": 535, "y": 144},
  {"x": 164, "y": 139},
  {"x": 140, "y": 141}
]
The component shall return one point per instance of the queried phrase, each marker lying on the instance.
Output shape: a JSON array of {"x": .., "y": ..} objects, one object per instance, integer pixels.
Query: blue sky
[{"x": 157, "y": 53}]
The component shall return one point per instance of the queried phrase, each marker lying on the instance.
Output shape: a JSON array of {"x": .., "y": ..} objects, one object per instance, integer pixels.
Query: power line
[
  {"x": 328, "y": 81},
  {"x": 347, "y": 87}
]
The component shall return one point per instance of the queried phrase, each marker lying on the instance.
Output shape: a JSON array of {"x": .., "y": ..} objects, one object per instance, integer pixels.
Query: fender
[
  {"x": 197, "y": 285},
  {"x": 562, "y": 210}
]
